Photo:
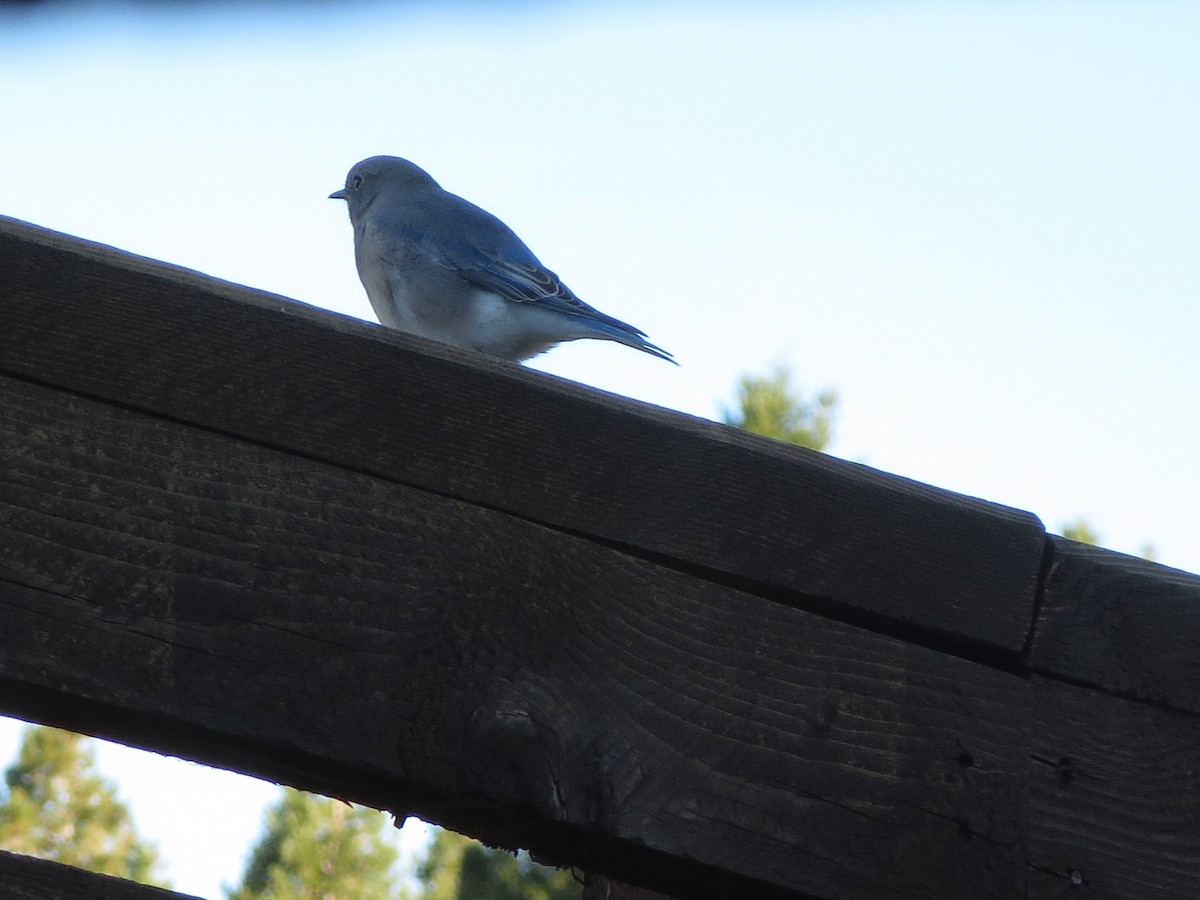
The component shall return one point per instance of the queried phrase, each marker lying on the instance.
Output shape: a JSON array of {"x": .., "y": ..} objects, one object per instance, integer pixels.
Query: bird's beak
[{"x": 338, "y": 195}]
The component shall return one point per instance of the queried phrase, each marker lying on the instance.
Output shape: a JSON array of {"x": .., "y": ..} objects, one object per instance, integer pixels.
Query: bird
[{"x": 436, "y": 265}]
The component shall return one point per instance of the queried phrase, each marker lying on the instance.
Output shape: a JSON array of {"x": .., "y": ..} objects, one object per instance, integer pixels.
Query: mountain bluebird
[{"x": 436, "y": 265}]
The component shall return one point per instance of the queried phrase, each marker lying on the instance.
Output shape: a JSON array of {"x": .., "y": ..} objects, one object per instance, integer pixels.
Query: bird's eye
[{"x": 356, "y": 183}]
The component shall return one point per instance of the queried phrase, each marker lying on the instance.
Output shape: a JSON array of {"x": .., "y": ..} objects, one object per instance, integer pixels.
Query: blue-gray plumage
[{"x": 436, "y": 265}]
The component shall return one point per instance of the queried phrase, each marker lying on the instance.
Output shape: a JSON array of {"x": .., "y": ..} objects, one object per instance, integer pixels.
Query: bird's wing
[{"x": 483, "y": 251}]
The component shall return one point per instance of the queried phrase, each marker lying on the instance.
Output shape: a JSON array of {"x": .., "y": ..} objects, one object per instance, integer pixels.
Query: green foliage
[
  {"x": 1080, "y": 530},
  {"x": 769, "y": 405},
  {"x": 315, "y": 848},
  {"x": 458, "y": 868},
  {"x": 57, "y": 806}
]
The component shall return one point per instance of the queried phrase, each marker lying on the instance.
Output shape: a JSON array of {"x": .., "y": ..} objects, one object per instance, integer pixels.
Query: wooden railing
[{"x": 247, "y": 532}]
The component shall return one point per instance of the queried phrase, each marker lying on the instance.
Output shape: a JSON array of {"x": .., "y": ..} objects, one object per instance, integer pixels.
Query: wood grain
[
  {"x": 1119, "y": 623},
  {"x": 1114, "y": 803},
  {"x": 601, "y": 888},
  {"x": 26, "y": 878},
  {"x": 183, "y": 590},
  {"x": 832, "y": 536}
]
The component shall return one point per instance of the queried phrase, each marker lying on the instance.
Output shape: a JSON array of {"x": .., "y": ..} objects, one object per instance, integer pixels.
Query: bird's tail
[{"x": 616, "y": 330}]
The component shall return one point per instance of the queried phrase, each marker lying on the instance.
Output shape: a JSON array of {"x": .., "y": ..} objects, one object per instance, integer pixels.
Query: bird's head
[{"x": 377, "y": 175}]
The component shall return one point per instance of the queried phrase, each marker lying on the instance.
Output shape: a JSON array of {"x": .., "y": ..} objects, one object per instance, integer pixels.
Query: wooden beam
[
  {"x": 179, "y": 589},
  {"x": 264, "y": 537},
  {"x": 26, "y": 878},
  {"x": 827, "y": 535},
  {"x": 597, "y": 887},
  {"x": 1122, "y": 624},
  {"x": 1114, "y": 802}
]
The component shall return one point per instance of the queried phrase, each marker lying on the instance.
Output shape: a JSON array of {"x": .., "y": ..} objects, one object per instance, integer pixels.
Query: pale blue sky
[{"x": 978, "y": 221}]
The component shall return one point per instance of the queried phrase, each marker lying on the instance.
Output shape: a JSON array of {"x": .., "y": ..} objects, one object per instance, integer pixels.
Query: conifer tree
[
  {"x": 1079, "y": 529},
  {"x": 456, "y": 867},
  {"x": 315, "y": 848},
  {"x": 57, "y": 806},
  {"x": 771, "y": 406}
]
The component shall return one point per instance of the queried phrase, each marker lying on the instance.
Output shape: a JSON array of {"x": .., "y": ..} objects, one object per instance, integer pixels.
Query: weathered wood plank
[
  {"x": 598, "y": 887},
  {"x": 1114, "y": 805},
  {"x": 176, "y": 588},
  {"x": 26, "y": 878},
  {"x": 1123, "y": 624},
  {"x": 841, "y": 538}
]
